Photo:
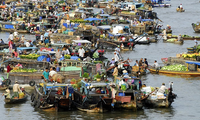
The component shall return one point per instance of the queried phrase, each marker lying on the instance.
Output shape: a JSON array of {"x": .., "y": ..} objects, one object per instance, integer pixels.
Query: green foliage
[
  {"x": 97, "y": 75},
  {"x": 85, "y": 75}
]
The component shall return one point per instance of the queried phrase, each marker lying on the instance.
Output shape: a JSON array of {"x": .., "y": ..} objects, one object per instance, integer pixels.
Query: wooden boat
[
  {"x": 196, "y": 27},
  {"x": 184, "y": 38},
  {"x": 13, "y": 30},
  {"x": 175, "y": 41},
  {"x": 161, "y": 5},
  {"x": 130, "y": 98},
  {"x": 189, "y": 73},
  {"x": 183, "y": 73},
  {"x": 48, "y": 98},
  {"x": 180, "y": 10},
  {"x": 14, "y": 101},
  {"x": 10, "y": 27},
  {"x": 94, "y": 99},
  {"x": 156, "y": 99}
]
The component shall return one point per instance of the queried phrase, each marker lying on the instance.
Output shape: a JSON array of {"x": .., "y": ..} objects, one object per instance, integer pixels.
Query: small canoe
[
  {"x": 185, "y": 38},
  {"x": 2, "y": 88},
  {"x": 188, "y": 73},
  {"x": 14, "y": 101},
  {"x": 13, "y": 30},
  {"x": 180, "y": 10}
]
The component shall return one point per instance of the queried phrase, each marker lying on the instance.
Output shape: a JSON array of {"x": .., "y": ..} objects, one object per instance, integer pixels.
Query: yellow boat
[{"x": 187, "y": 73}]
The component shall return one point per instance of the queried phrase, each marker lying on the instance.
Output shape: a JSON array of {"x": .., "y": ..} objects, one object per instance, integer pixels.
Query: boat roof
[
  {"x": 98, "y": 84},
  {"x": 59, "y": 44},
  {"x": 191, "y": 62},
  {"x": 104, "y": 27},
  {"x": 46, "y": 52},
  {"x": 104, "y": 15},
  {"x": 81, "y": 41},
  {"x": 26, "y": 48}
]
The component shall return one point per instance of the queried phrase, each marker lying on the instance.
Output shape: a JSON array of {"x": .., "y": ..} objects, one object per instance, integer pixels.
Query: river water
[{"x": 187, "y": 104}]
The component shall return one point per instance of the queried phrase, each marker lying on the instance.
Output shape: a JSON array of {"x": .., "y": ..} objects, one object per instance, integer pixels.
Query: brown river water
[{"x": 185, "y": 107}]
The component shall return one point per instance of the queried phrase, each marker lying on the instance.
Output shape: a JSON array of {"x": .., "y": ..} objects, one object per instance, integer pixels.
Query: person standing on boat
[
  {"x": 146, "y": 63},
  {"x": 7, "y": 94},
  {"x": 164, "y": 34},
  {"x": 52, "y": 73},
  {"x": 116, "y": 57},
  {"x": 16, "y": 89},
  {"x": 58, "y": 54},
  {"x": 155, "y": 65},
  {"x": 181, "y": 6},
  {"x": 10, "y": 44},
  {"x": 115, "y": 72},
  {"x": 8, "y": 69},
  {"x": 162, "y": 88},
  {"x": 46, "y": 75},
  {"x": 81, "y": 53},
  {"x": 117, "y": 49},
  {"x": 23, "y": 39},
  {"x": 179, "y": 37},
  {"x": 112, "y": 62},
  {"x": 196, "y": 43}
]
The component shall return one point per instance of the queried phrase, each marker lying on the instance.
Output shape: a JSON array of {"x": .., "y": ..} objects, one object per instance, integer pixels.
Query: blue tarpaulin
[
  {"x": 196, "y": 63},
  {"x": 65, "y": 24},
  {"x": 146, "y": 20},
  {"x": 74, "y": 57},
  {"x": 92, "y": 19},
  {"x": 26, "y": 48},
  {"x": 9, "y": 26},
  {"x": 41, "y": 58}
]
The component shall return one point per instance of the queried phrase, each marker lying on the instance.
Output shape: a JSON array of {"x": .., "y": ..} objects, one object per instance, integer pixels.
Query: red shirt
[
  {"x": 10, "y": 43},
  {"x": 8, "y": 69}
]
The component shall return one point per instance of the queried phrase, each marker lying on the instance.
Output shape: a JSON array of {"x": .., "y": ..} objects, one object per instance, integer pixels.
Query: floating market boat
[
  {"x": 153, "y": 98},
  {"x": 184, "y": 37},
  {"x": 173, "y": 40},
  {"x": 184, "y": 72},
  {"x": 180, "y": 10},
  {"x": 196, "y": 27},
  {"x": 15, "y": 100},
  {"x": 129, "y": 94},
  {"x": 92, "y": 97},
  {"x": 10, "y": 27},
  {"x": 51, "y": 97}
]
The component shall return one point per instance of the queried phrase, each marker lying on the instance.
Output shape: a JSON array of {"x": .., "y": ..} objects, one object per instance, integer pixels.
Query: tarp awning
[
  {"x": 144, "y": 20},
  {"x": 26, "y": 48},
  {"x": 105, "y": 27},
  {"x": 92, "y": 19},
  {"x": 190, "y": 62},
  {"x": 9, "y": 27},
  {"x": 81, "y": 41}
]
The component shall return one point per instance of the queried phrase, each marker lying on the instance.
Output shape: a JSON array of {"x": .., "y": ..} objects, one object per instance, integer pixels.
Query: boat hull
[
  {"x": 188, "y": 73},
  {"x": 15, "y": 101}
]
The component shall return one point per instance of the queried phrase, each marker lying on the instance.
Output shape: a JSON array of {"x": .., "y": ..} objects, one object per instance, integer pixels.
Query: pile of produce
[
  {"x": 174, "y": 68},
  {"x": 80, "y": 21},
  {"x": 184, "y": 36},
  {"x": 29, "y": 56},
  {"x": 24, "y": 70},
  {"x": 67, "y": 56},
  {"x": 95, "y": 55},
  {"x": 171, "y": 40},
  {"x": 194, "y": 55}
]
